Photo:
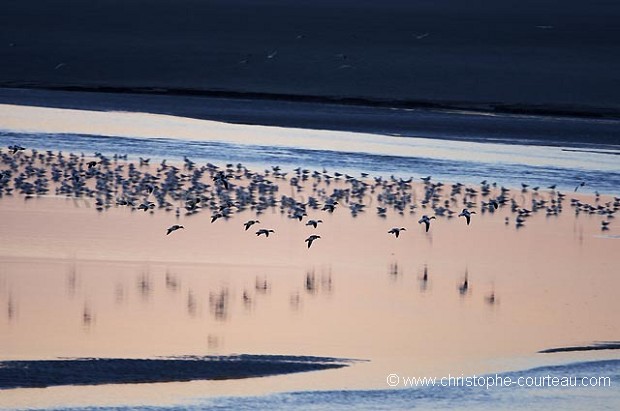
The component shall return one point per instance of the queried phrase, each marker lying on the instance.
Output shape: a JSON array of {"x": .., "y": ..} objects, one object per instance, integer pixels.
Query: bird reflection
[
  {"x": 262, "y": 286},
  {"x": 424, "y": 279},
  {"x": 464, "y": 286},
  {"x": 87, "y": 316},
  {"x": 72, "y": 281},
  {"x": 395, "y": 270},
  {"x": 144, "y": 285},
  {"x": 491, "y": 298},
  {"x": 172, "y": 283},
  {"x": 326, "y": 282},
  {"x": 310, "y": 283},
  {"x": 11, "y": 308},
  {"x": 119, "y": 293},
  {"x": 247, "y": 300},
  {"x": 213, "y": 342},
  {"x": 218, "y": 303},
  {"x": 191, "y": 304},
  {"x": 295, "y": 301}
]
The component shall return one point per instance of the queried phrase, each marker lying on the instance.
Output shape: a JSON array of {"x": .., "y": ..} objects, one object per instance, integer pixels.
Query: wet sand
[{"x": 75, "y": 282}]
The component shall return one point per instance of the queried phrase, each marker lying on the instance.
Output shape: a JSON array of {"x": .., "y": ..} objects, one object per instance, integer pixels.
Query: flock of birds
[{"x": 190, "y": 188}]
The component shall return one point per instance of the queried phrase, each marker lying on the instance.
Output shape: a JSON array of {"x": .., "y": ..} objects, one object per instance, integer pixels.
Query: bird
[
  {"x": 174, "y": 228},
  {"x": 250, "y": 223},
  {"x": 583, "y": 183},
  {"x": 396, "y": 231},
  {"x": 426, "y": 220},
  {"x": 15, "y": 148},
  {"x": 330, "y": 206},
  {"x": 215, "y": 216},
  {"x": 314, "y": 223},
  {"x": 310, "y": 239},
  {"x": 145, "y": 206},
  {"x": 264, "y": 231},
  {"x": 91, "y": 164},
  {"x": 467, "y": 214}
]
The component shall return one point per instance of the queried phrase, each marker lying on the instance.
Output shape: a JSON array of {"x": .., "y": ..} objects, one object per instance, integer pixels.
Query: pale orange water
[{"x": 77, "y": 283}]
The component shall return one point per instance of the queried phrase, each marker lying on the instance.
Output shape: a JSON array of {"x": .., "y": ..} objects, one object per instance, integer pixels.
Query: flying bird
[
  {"x": 250, "y": 223},
  {"x": 396, "y": 231},
  {"x": 264, "y": 231},
  {"x": 467, "y": 214},
  {"x": 174, "y": 228},
  {"x": 314, "y": 223},
  {"x": 330, "y": 206},
  {"x": 310, "y": 239},
  {"x": 426, "y": 220}
]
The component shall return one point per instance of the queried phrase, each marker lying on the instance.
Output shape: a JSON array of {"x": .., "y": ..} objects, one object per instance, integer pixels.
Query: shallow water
[{"x": 78, "y": 283}]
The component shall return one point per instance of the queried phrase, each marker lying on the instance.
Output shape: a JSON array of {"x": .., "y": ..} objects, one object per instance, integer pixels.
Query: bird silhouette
[{"x": 312, "y": 238}]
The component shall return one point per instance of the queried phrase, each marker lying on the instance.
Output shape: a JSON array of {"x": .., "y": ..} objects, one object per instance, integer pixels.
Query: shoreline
[
  {"x": 442, "y": 106},
  {"x": 574, "y": 132}
]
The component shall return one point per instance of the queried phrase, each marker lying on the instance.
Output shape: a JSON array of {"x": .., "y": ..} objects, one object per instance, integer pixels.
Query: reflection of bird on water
[
  {"x": 490, "y": 299},
  {"x": 426, "y": 220},
  {"x": 247, "y": 300},
  {"x": 87, "y": 316},
  {"x": 464, "y": 287},
  {"x": 261, "y": 286},
  {"x": 394, "y": 269},
  {"x": 424, "y": 279},
  {"x": 396, "y": 231}
]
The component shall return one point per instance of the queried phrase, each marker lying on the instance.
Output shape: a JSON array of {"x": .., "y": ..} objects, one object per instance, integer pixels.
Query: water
[
  {"x": 462, "y": 398},
  {"x": 467, "y": 162}
]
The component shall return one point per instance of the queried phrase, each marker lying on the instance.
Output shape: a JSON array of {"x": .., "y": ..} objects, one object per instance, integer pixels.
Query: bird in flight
[
  {"x": 396, "y": 231},
  {"x": 174, "y": 228},
  {"x": 250, "y": 223},
  {"x": 330, "y": 206},
  {"x": 426, "y": 220},
  {"x": 312, "y": 238},
  {"x": 314, "y": 223},
  {"x": 467, "y": 214},
  {"x": 264, "y": 231}
]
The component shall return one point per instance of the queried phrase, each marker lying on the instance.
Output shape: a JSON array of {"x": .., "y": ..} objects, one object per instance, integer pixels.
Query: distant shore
[
  {"x": 550, "y": 110},
  {"x": 324, "y": 113}
]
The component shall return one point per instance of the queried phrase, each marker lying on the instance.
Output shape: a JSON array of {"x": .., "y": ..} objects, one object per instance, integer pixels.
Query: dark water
[
  {"x": 536, "y": 397},
  {"x": 94, "y": 371},
  {"x": 525, "y": 53}
]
